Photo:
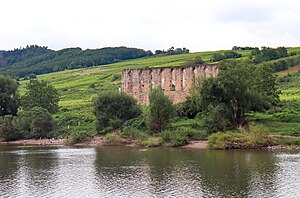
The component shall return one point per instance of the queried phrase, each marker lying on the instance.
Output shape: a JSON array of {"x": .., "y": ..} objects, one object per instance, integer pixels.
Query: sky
[{"x": 153, "y": 24}]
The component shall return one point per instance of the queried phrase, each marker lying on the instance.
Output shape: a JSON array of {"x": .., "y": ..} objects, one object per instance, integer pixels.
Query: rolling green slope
[{"x": 78, "y": 87}]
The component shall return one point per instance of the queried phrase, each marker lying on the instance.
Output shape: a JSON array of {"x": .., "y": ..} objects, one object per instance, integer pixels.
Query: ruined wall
[{"x": 175, "y": 81}]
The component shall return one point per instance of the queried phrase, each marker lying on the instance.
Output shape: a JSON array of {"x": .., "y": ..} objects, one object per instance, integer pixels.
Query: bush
[
  {"x": 218, "y": 57},
  {"x": 214, "y": 119},
  {"x": 151, "y": 142},
  {"x": 80, "y": 136},
  {"x": 92, "y": 86},
  {"x": 133, "y": 133},
  {"x": 36, "y": 122},
  {"x": 180, "y": 136},
  {"x": 8, "y": 129},
  {"x": 161, "y": 110},
  {"x": 255, "y": 136},
  {"x": 195, "y": 61},
  {"x": 112, "y": 109},
  {"x": 111, "y": 137}
]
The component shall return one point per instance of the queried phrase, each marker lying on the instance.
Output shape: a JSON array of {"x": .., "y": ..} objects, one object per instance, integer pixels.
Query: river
[{"x": 152, "y": 172}]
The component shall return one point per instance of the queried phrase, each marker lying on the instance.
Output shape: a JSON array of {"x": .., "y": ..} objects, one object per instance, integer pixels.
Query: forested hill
[{"x": 40, "y": 60}]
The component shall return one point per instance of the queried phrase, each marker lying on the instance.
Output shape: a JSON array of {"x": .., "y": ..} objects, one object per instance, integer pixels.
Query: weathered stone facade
[{"x": 175, "y": 81}]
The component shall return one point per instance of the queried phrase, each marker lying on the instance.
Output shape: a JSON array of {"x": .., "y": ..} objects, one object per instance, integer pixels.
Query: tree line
[
  {"x": 41, "y": 60},
  {"x": 30, "y": 115}
]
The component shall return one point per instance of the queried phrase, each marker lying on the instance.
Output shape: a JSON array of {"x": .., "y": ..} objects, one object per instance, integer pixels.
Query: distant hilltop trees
[
  {"x": 35, "y": 59},
  {"x": 242, "y": 48},
  {"x": 172, "y": 51}
]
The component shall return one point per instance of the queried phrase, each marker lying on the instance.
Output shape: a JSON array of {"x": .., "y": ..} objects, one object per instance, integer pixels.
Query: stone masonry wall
[{"x": 175, "y": 81}]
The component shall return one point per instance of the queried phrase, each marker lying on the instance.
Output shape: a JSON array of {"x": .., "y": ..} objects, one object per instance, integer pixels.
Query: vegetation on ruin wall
[{"x": 78, "y": 87}]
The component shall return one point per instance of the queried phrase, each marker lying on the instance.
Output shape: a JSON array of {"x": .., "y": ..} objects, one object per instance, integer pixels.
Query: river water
[{"x": 154, "y": 172}]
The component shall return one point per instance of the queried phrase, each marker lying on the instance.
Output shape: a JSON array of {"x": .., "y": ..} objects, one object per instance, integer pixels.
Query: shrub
[
  {"x": 80, "y": 136},
  {"x": 195, "y": 61},
  {"x": 180, "y": 136},
  {"x": 8, "y": 129},
  {"x": 133, "y": 133},
  {"x": 218, "y": 57},
  {"x": 92, "y": 86},
  {"x": 151, "y": 142},
  {"x": 255, "y": 136},
  {"x": 214, "y": 119},
  {"x": 112, "y": 109},
  {"x": 161, "y": 110},
  {"x": 111, "y": 137}
]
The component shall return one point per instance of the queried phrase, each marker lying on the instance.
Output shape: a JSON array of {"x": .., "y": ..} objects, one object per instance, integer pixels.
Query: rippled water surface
[{"x": 157, "y": 172}]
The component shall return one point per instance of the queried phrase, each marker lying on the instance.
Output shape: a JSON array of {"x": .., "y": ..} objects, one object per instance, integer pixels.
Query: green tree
[
  {"x": 8, "y": 128},
  {"x": 9, "y": 97},
  {"x": 239, "y": 88},
  {"x": 161, "y": 110},
  {"x": 40, "y": 94},
  {"x": 112, "y": 109},
  {"x": 36, "y": 122}
]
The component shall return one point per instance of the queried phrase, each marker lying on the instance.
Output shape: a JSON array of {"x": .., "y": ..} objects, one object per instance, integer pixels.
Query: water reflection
[
  {"x": 195, "y": 173},
  {"x": 155, "y": 172}
]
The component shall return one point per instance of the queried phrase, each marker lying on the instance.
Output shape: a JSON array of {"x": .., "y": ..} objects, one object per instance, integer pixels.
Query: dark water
[{"x": 157, "y": 172}]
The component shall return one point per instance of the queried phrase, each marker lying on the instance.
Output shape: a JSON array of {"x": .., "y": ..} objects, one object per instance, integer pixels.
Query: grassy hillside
[
  {"x": 77, "y": 92},
  {"x": 41, "y": 60}
]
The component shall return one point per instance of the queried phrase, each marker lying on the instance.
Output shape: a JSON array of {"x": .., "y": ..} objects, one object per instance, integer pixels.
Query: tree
[
  {"x": 112, "y": 109},
  {"x": 161, "y": 110},
  {"x": 218, "y": 57},
  {"x": 8, "y": 128},
  {"x": 239, "y": 88},
  {"x": 9, "y": 97},
  {"x": 36, "y": 122},
  {"x": 40, "y": 94}
]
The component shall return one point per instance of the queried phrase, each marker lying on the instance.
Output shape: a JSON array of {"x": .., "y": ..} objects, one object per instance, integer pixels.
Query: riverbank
[
  {"x": 100, "y": 141},
  {"x": 40, "y": 142},
  {"x": 97, "y": 141}
]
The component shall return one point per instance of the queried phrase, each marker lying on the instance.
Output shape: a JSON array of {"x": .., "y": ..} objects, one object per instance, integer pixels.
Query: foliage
[
  {"x": 11, "y": 57},
  {"x": 228, "y": 54},
  {"x": 172, "y": 51},
  {"x": 8, "y": 130},
  {"x": 80, "y": 136},
  {"x": 239, "y": 88},
  {"x": 266, "y": 54},
  {"x": 9, "y": 97},
  {"x": 256, "y": 136},
  {"x": 112, "y": 137},
  {"x": 161, "y": 110},
  {"x": 112, "y": 109},
  {"x": 242, "y": 48},
  {"x": 195, "y": 61},
  {"x": 180, "y": 136},
  {"x": 192, "y": 105},
  {"x": 40, "y": 94},
  {"x": 36, "y": 122},
  {"x": 283, "y": 63},
  {"x": 151, "y": 142},
  {"x": 215, "y": 118},
  {"x": 285, "y": 140},
  {"x": 40, "y": 60},
  {"x": 133, "y": 133}
]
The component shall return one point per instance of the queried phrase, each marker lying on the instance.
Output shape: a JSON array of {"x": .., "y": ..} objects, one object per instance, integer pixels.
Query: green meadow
[{"x": 78, "y": 87}]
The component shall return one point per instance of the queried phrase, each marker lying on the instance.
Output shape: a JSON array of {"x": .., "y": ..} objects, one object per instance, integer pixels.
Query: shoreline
[{"x": 99, "y": 141}]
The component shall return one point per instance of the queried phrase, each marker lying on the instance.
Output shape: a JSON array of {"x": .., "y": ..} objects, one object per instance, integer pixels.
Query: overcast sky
[{"x": 153, "y": 24}]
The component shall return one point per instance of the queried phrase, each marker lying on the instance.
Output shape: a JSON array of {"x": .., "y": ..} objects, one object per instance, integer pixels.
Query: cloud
[{"x": 197, "y": 25}]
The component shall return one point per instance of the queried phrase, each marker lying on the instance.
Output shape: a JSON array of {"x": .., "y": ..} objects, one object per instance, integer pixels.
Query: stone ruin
[{"x": 175, "y": 81}]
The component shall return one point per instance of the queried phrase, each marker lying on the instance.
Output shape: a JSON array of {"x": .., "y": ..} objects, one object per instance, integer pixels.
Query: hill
[
  {"x": 40, "y": 60},
  {"x": 78, "y": 87}
]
